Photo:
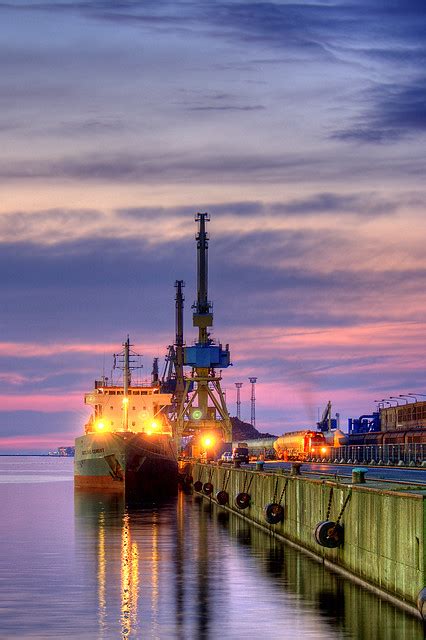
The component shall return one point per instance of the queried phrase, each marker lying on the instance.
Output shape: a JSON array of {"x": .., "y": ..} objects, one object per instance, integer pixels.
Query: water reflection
[
  {"x": 188, "y": 569},
  {"x": 101, "y": 573},
  {"x": 345, "y": 607}
]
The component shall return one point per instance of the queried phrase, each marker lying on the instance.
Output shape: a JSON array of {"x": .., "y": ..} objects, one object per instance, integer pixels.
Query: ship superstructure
[{"x": 129, "y": 445}]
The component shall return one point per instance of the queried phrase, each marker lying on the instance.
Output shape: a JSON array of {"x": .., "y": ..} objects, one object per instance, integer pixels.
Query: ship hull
[{"x": 133, "y": 464}]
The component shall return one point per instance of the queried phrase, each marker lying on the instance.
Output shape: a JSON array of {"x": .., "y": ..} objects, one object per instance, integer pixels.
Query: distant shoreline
[{"x": 30, "y": 455}]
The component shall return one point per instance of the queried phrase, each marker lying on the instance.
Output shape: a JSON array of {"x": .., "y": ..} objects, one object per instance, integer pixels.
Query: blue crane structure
[{"x": 202, "y": 406}]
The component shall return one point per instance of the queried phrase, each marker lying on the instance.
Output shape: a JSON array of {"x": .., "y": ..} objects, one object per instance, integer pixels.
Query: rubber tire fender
[
  {"x": 198, "y": 485},
  {"x": 274, "y": 513},
  {"x": 222, "y": 498},
  {"x": 242, "y": 500},
  {"x": 329, "y": 534},
  {"x": 208, "y": 488}
]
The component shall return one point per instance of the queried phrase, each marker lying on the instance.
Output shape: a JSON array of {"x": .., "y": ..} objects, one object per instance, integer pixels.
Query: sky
[{"x": 299, "y": 126}]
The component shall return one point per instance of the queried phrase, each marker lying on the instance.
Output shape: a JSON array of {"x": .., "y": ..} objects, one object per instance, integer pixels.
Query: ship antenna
[{"x": 126, "y": 383}]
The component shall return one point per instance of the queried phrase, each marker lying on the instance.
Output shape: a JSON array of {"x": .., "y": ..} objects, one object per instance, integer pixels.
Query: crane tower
[
  {"x": 203, "y": 407},
  {"x": 173, "y": 380}
]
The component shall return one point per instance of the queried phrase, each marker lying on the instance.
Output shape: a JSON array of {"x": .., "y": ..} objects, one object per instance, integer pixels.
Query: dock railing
[{"x": 412, "y": 454}]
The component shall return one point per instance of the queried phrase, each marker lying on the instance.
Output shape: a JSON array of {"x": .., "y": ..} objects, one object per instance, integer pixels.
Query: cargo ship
[{"x": 129, "y": 446}]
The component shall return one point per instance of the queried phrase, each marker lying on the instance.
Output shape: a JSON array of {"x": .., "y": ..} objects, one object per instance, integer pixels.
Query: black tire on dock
[
  {"x": 208, "y": 488},
  {"x": 222, "y": 497},
  {"x": 242, "y": 500},
  {"x": 274, "y": 513},
  {"x": 198, "y": 485},
  {"x": 329, "y": 534}
]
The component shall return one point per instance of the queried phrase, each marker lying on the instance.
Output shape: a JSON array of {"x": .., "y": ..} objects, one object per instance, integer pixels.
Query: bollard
[
  {"x": 295, "y": 468},
  {"x": 358, "y": 475},
  {"x": 259, "y": 465}
]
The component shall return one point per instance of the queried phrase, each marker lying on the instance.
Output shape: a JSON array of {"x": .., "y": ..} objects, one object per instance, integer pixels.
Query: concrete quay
[{"x": 380, "y": 537}]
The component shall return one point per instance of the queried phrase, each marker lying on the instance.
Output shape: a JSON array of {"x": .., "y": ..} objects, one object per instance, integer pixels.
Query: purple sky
[{"x": 299, "y": 126}]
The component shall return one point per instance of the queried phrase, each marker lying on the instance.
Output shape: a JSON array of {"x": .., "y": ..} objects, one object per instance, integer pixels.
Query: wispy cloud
[{"x": 393, "y": 111}]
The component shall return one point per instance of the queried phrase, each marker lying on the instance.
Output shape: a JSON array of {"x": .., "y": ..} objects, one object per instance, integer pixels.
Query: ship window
[
  {"x": 133, "y": 424},
  {"x": 112, "y": 423},
  {"x": 111, "y": 407},
  {"x": 134, "y": 408}
]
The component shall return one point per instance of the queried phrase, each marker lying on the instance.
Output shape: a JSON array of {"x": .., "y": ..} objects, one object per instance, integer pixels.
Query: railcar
[{"x": 299, "y": 445}]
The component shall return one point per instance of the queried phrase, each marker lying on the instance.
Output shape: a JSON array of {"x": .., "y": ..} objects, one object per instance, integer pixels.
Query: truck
[{"x": 240, "y": 453}]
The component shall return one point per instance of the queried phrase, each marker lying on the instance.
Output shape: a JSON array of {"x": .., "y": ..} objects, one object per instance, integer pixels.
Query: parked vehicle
[
  {"x": 226, "y": 457},
  {"x": 240, "y": 454}
]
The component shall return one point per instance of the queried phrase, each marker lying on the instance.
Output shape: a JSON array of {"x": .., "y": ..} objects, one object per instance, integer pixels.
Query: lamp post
[
  {"x": 390, "y": 400},
  {"x": 406, "y": 398},
  {"x": 379, "y": 402},
  {"x": 253, "y": 381},
  {"x": 414, "y": 395},
  {"x": 238, "y": 386}
]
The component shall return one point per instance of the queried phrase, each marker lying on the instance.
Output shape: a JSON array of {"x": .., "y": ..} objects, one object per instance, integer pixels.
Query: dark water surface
[{"x": 88, "y": 566}]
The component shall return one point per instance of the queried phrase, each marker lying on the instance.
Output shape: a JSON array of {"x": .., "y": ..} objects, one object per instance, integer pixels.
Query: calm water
[{"x": 85, "y": 566}]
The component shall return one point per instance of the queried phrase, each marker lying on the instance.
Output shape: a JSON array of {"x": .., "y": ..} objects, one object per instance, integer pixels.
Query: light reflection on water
[{"x": 89, "y": 566}]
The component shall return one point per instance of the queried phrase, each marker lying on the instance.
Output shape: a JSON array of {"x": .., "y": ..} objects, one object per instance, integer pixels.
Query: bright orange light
[
  {"x": 154, "y": 425},
  {"x": 323, "y": 449},
  {"x": 125, "y": 400},
  {"x": 208, "y": 441},
  {"x": 100, "y": 425}
]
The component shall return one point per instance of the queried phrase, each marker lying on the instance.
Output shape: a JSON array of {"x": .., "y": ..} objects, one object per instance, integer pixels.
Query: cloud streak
[{"x": 395, "y": 111}]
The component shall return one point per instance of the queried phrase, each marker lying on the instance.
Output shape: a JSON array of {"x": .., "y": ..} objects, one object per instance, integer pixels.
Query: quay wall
[{"x": 384, "y": 530}]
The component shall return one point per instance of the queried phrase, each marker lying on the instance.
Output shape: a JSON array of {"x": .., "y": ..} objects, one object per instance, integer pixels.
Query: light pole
[
  {"x": 390, "y": 400},
  {"x": 414, "y": 395},
  {"x": 238, "y": 386},
  {"x": 253, "y": 381},
  {"x": 406, "y": 398}
]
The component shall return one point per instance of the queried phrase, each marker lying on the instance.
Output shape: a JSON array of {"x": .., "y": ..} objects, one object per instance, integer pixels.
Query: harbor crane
[{"x": 202, "y": 406}]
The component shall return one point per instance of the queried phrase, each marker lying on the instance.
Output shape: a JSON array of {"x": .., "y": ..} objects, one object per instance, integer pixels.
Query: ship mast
[
  {"x": 126, "y": 384},
  {"x": 126, "y": 364}
]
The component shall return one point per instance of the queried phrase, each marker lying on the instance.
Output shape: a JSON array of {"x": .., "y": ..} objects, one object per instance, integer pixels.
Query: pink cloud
[
  {"x": 42, "y": 402},
  {"x": 34, "y": 350}
]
